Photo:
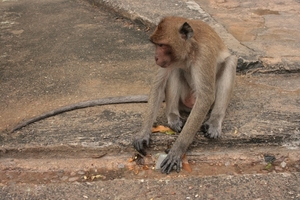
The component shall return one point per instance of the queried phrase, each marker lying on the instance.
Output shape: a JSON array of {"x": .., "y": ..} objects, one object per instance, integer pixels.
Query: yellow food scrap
[{"x": 163, "y": 129}]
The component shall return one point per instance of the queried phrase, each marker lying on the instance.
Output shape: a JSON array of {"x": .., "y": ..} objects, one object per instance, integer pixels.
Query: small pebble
[
  {"x": 72, "y": 174},
  {"x": 243, "y": 157},
  {"x": 81, "y": 172},
  {"x": 161, "y": 157},
  {"x": 227, "y": 163},
  {"x": 283, "y": 164},
  {"x": 64, "y": 178},
  {"x": 72, "y": 179},
  {"x": 121, "y": 166}
]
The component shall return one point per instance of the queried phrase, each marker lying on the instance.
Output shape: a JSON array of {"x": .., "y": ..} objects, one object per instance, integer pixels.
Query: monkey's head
[{"x": 173, "y": 39}]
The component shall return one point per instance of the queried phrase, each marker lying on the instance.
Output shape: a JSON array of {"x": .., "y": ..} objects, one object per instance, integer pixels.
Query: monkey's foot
[
  {"x": 211, "y": 131},
  {"x": 175, "y": 124}
]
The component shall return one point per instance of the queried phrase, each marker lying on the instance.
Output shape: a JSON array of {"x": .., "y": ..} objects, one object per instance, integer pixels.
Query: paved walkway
[
  {"x": 254, "y": 30},
  {"x": 270, "y": 28}
]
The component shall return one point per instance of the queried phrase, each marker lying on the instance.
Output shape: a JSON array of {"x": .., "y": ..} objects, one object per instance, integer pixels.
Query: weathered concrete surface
[
  {"x": 59, "y": 52},
  {"x": 264, "y": 109},
  {"x": 270, "y": 28},
  {"x": 151, "y": 12},
  {"x": 254, "y": 30},
  {"x": 58, "y": 58},
  {"x": 215, "y": 187}
]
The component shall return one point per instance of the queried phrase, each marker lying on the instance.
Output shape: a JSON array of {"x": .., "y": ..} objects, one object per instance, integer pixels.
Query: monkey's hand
[
  {"x": 141, "y": 141},
  {"x": 172, "y": 160}
]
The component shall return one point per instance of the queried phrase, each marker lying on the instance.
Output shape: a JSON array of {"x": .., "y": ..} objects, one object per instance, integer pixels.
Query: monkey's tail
[{"x": 85, "y": 104}]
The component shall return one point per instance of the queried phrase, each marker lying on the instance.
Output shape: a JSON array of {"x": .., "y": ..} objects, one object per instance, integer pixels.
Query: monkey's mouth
[
  {"x": 163, "y": 64},
  {"x": 160, "y": 63}
]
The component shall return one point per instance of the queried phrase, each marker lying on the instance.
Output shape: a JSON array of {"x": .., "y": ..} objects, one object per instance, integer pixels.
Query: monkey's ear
[{"x": 186, "y": 31}]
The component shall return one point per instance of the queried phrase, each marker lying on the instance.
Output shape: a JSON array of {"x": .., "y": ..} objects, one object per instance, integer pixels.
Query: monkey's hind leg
[
  {"x": 224, "y": 86},
  {"x": 173, "y": 94}
]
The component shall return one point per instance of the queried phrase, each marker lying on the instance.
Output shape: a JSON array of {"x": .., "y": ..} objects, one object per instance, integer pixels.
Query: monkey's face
[
  {"x": 163, "y": 55},
  {"x": 172, "y": 41}
]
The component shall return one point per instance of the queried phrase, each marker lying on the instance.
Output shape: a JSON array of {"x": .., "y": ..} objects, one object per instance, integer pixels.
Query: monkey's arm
[
  {"x": 185, "y": 138},
  {"x": 155, "y": 99},
  {"x": 85, "y": 104},
  {"x": 204, "y": 86}
]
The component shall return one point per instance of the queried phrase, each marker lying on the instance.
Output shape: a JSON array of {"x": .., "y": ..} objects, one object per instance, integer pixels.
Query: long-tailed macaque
[{"x": 196, "y": 72}]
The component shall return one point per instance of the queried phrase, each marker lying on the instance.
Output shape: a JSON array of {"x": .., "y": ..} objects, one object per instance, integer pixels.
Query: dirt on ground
[{"x": 54, "y": 53}]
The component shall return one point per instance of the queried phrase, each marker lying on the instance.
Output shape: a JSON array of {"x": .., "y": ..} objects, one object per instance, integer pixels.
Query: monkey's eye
[{"x": 160, "y": 45}]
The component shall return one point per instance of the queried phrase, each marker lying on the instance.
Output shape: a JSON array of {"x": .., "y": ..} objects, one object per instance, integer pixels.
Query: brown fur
[{"x": 196, "y": 70}]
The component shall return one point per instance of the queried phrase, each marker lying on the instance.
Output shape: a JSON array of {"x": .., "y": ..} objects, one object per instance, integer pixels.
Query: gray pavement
[
  {"x": 59, "y": 52},
  {"x": 270, "y": 28},
  {"x": 218, "y": 187},
  {"x": 267, "y": 32}
]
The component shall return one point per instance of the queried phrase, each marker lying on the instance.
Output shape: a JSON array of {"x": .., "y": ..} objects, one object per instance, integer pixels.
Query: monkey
[
  {"x": 196, "y": 73},
  {"x": 84, "y": 104}
]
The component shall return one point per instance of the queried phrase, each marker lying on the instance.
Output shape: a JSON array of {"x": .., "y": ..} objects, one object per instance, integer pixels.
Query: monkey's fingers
[
  {"x": 168, "y": 164},
  {"x": 165, "y": 167},
  {"x": 139, "y": 145},
  {"x": 143, "y": 152}
]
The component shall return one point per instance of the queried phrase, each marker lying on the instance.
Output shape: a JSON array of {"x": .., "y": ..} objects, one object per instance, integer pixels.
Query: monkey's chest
[
  {"x": 186, "y": 79},
  {"x": 188, "y": 97}
]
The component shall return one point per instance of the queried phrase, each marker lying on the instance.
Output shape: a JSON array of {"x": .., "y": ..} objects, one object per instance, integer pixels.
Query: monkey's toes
[
  {"x": 204, "y": 128},
  {"x": 211, "y": 131},
  {"x": 176, "y": 125}
]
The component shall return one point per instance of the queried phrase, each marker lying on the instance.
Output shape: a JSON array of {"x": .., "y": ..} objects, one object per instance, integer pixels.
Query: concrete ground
[{"x": 54, "y": 53}]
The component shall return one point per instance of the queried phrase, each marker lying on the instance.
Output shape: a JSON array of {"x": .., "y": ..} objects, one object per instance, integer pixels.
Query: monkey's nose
[{"x": 156, "y": 59}]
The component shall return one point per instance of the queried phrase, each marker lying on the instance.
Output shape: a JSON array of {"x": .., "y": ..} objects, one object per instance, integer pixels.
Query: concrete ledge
[{"x": 151, "y": 12}]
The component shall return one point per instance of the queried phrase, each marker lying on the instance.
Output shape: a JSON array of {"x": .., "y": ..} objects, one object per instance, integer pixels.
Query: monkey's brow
[{"x": 156, "y": 43}]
